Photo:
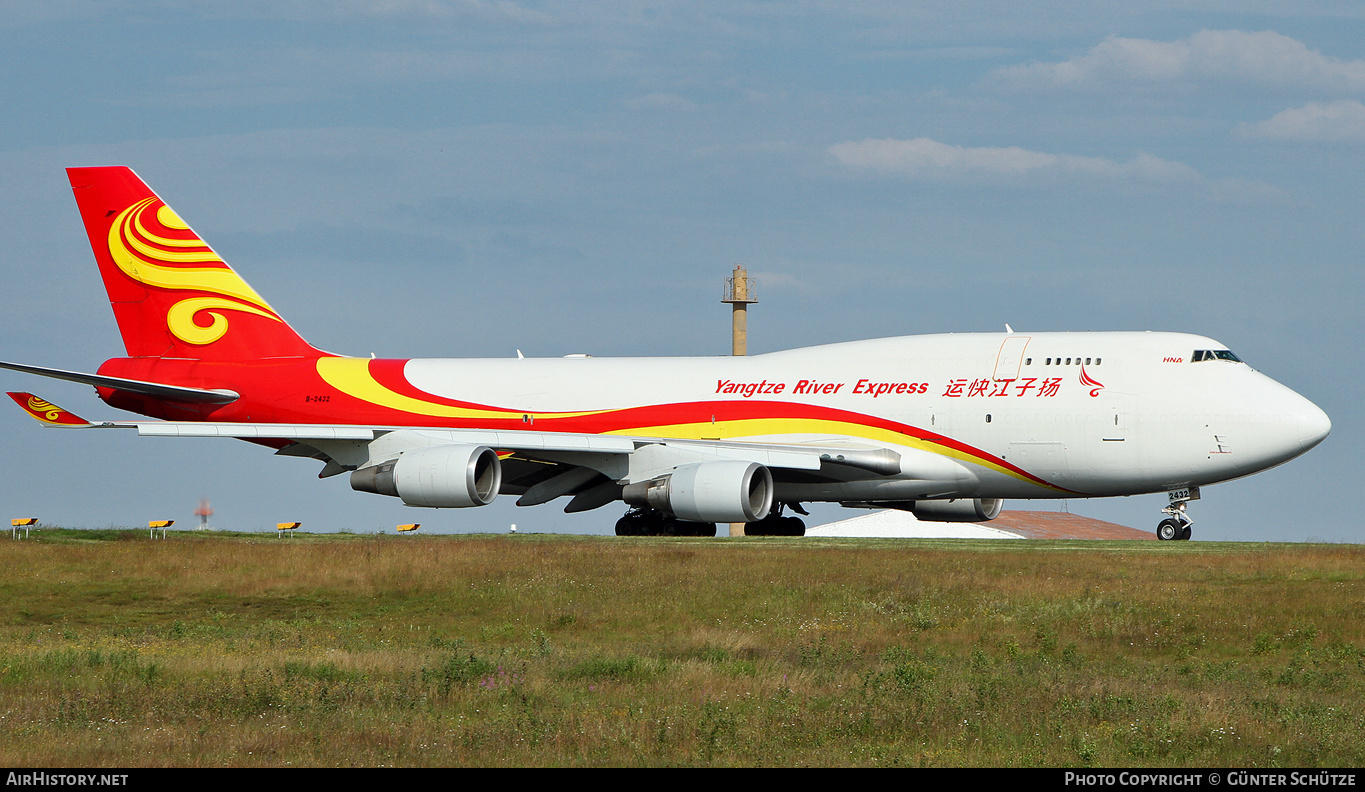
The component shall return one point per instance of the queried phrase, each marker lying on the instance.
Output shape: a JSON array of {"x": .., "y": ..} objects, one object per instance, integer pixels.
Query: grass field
[{"x": 347, "y": 650}]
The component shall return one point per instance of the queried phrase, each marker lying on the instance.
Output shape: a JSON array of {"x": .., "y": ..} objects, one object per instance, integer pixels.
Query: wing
[{"x": 537, "y": 466}]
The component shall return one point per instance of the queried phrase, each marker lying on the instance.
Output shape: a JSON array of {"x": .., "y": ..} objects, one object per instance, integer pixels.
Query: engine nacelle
[
  {"x": 958, "y": 509},
  {"x": 451, "y": 476},
  {"x": 727, "y": 491}
]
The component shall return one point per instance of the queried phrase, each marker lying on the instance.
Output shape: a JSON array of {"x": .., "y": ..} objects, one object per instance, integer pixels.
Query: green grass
[{"x": 350, "y": 650}]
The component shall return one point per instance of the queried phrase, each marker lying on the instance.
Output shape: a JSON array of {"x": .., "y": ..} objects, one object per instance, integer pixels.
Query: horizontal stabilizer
[
  {"x": 157, "y": 389},
  {"x": 47, "y": 412}
]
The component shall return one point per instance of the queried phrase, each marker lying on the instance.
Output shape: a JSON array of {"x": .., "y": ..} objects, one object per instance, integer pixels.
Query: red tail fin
[{"x": 172, "y": 295}]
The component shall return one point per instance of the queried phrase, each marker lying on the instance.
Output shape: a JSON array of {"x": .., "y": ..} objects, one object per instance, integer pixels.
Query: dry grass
[{"x": 533, "y": 650}]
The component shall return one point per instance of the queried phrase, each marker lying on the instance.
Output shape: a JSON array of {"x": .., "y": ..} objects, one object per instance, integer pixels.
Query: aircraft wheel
[
  {"x": 774, "y": 525},
  {"x": 1185, "y": 533},
  {"x": 695, "y": 529},
  {"x": 642, "y": 522},
  {"x": 1168, "y": 529}
]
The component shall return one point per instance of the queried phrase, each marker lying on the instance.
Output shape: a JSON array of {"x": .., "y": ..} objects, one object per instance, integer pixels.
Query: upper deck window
[{"x": 1201, "y": 355}]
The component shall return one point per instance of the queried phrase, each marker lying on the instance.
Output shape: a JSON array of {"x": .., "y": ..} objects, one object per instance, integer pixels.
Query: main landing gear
[
  {"x": 776, "y": 525},
  {"x": 649, "y": 522},
  {"x": 1177, "y": 525}
]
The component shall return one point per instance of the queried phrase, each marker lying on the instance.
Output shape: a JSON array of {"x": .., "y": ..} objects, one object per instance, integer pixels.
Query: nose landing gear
[{"x": 1177, "y": 525}]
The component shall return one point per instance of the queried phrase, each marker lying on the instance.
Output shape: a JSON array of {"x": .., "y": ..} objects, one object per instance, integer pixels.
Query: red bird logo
[{"x": 1089, "y": 382}]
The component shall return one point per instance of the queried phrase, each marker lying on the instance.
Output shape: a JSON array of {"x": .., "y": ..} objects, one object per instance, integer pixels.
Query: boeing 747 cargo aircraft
[{"x": 945, "y": 426}]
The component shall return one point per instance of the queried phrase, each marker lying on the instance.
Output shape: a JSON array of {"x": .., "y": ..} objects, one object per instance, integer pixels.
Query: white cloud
[
  {"x": 924, "y": 157},
  {"x": 313, "y": 10},
  {"x": 1266, "y": 58},
  {"x": 779, "y": 280},
  {"x": 662, "y": 101},
  {"x": 1314, "y": 122}
]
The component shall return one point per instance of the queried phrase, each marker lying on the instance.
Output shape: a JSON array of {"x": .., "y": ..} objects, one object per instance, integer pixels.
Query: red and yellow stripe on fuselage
[{"x": 374, "y": 392}]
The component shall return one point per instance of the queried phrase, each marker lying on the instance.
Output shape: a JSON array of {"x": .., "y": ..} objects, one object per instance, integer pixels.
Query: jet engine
[
  {"x": 958, "y": 509},
  {"x": 708, "y": 492},
  {"x": 450, "y": 476}
]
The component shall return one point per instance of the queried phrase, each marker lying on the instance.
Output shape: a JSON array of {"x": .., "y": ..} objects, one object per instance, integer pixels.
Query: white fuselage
[{"x": 994, "y": 415}]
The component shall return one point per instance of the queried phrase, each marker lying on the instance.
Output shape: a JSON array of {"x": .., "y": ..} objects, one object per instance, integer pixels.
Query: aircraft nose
[
  {"x": 1286, "y": 425},
  {"x": 1314, "y": 425}
]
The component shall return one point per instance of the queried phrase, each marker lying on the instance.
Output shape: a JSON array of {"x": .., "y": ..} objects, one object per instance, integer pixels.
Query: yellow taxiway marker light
[
  {"x": 409, "y": 527},
  {"x": 22, "y": 521},
  {"x": 161, "y": 523}
]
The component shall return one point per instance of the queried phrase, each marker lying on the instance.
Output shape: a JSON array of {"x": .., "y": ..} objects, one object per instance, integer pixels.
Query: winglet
[{"x": 47, "y": 412}]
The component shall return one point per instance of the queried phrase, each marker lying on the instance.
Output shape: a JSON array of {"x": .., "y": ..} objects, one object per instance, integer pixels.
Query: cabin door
[{"x": 1010, "y": 358}]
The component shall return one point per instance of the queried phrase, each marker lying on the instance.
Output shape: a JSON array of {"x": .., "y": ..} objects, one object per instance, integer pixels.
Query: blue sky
[{"x": 472, "y": 178}]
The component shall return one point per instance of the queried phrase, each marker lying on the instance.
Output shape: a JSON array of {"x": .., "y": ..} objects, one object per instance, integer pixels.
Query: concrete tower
[{"x": 739, "y": 292}]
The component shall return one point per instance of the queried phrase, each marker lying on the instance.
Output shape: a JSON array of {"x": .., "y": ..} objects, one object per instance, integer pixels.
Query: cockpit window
[{"x": 1201, "y": 355}]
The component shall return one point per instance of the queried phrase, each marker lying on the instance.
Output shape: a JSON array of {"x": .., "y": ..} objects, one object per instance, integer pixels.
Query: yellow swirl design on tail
[
  {"x": 139, "y": 253},
  {"x": 180, "y": 318}
]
